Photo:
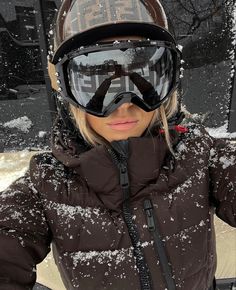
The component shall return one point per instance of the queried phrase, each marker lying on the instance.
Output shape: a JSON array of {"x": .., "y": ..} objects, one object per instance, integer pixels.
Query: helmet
[
  {"x": 83, "y": 22},
  {"x": 80, "y": 27}
]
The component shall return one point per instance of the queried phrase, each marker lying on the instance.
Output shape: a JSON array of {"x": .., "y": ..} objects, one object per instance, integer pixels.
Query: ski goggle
[{"x": 100, "y": 78}]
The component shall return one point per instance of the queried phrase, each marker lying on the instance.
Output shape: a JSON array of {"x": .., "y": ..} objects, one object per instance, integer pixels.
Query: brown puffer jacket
[{"x": 73, "y": 198}]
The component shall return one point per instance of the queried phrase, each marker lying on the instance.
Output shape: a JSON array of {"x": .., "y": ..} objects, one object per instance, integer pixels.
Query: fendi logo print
[{"x": 97, "y": 12}]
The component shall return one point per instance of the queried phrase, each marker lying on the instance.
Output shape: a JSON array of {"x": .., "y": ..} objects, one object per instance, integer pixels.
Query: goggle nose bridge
[
  {"x": 120, "y": 99},
  {"x": 124, "y": 97}
]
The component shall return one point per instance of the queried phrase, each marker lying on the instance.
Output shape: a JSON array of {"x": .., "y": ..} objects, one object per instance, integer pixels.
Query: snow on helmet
[{"x": 83, "y": 22}]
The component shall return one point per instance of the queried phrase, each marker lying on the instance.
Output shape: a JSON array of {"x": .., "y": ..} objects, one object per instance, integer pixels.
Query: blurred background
[{"x": 26, "y": 101}]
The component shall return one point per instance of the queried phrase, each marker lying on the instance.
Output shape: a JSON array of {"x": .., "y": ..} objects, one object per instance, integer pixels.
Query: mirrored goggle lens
[{"x": 96, "y": 79}]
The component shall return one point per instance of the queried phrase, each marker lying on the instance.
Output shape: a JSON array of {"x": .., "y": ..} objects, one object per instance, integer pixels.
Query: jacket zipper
[
  {"x": 144, "y": 273},
  {"x": 158, "y": 244}
]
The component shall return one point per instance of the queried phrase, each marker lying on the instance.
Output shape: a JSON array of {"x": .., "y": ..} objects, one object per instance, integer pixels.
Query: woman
[{"x": 128, "y": 194}]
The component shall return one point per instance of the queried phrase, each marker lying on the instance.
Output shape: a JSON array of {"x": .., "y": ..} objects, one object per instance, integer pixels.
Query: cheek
[
  {"x": 96, "y": 123},
  {"x": 147, "y": 117}
]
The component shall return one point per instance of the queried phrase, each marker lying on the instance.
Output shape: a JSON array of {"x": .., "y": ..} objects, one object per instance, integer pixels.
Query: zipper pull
[
  {"x": 124, "y": 178},
  {"x": 148, "y": 207},
  {"x": 124, "y": 181}
]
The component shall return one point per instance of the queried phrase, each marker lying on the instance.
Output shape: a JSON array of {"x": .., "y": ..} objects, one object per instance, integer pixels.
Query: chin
[{"x": 123, "y": 137}]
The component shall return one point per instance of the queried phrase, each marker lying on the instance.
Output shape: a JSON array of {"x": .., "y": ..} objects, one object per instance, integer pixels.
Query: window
[{"x": 26, "y": 24}]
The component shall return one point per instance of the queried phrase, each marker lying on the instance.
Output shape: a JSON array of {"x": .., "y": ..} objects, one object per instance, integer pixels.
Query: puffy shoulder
[
  {"x": 223, "y": 179},
  {"x": 45, "y": 160},
  {"x": 45, "y": 168},
  {"x": 197, "y": 130},
  {"x": 223, "y": 153},
  {"x": 198, "y": 142},
  {"x": 194, "y": 141},
  {"x": 218, "y": 145}
]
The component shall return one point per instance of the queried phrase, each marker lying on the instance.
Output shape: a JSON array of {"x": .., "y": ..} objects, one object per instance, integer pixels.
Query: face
[{"x": 126, "y": 121}]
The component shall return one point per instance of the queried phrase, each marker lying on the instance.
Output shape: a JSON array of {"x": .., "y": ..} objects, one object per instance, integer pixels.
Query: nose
[{"x": 124, "y": 106}]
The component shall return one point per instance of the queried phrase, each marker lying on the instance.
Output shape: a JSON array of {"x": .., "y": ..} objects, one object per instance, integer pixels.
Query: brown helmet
[{"x": 83, "y": 22}]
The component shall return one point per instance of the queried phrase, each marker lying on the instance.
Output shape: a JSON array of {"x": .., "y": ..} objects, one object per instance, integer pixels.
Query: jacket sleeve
[
  {"x": 223, "y": 180},
  {"x": 24, "y": 234}
]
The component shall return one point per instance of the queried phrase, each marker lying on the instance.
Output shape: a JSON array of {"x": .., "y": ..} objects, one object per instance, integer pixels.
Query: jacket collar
[{"x": 94, "y": 164}]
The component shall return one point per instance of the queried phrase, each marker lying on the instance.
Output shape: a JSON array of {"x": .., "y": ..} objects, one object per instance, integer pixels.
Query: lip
[{"x": 122, "y": 125}]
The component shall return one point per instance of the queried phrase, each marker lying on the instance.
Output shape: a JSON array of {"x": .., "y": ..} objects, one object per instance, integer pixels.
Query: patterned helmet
[{"x": 83, "y": 22}]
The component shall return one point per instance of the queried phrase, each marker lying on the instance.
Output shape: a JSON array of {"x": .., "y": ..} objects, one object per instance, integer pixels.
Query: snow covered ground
[
  {"x": 14, "y": 164},
  {"x": 221, "y": 132}
]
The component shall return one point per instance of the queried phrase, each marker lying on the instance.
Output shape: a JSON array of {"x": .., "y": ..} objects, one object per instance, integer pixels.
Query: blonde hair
[{"x": 160, "y": 119}]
